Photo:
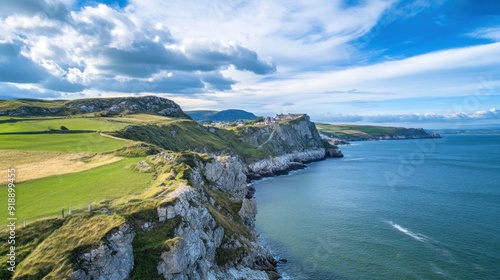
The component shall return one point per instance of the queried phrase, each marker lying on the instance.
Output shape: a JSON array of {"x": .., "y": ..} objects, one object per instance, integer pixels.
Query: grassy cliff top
[
  {"x": 354, "y": 130},
  {"x": 370, "y": 132}
]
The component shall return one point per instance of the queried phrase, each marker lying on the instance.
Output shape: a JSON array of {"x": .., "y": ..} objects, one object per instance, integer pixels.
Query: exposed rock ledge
[
  {"x": 114, "y": 260},
  {"x": 283, "y": 164}
]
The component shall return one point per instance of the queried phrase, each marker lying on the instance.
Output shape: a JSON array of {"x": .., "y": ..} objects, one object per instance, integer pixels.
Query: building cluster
[
  {"x": 259, "y": 121},
  {"x": 278, "y": 118}
]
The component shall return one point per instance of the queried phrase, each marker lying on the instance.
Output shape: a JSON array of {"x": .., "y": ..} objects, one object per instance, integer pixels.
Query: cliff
[
  {"x": 195, "y": 222},
  {"x": 289, "y": 145},
  {"x": 267, "y": 150}
]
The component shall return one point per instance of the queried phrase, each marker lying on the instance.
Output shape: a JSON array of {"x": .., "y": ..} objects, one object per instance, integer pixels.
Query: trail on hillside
[{"x": 269, "y": 139}]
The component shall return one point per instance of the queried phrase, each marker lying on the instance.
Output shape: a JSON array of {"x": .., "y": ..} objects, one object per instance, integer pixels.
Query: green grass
[
  {"x": 46, "y": 196},
  {"x": 54, "y": 258},
  {"x": 141, "y": 119},
  {"x": 182, "y": 135},
  {"x": 79, "y": 142},
  {"x": 3, "y": 118},
  {"x": 343, "y": 130},
  {"x": 27, "y": 239},
  {"x": 101, "y": 124}
]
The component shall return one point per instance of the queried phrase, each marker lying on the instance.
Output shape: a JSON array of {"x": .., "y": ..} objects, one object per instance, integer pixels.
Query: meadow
[
  {"x": 47, "y": 196},
  {"x": 21, "y": 125},
  {"x": 55, "y": 170},
  {"x": 71, "y": 142}
]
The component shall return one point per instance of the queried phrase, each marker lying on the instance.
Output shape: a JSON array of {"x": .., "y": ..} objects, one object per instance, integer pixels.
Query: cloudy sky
[{"x": 432, "y": 63}]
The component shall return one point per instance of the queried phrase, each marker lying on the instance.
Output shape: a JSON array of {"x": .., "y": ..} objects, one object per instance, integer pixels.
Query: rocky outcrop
[
  {"x": 213, "y": 241},
  {"x": 227, "y": 175},
  {"x": 248, "y": 212},
  {"x": 296, "y": 135},
  {"x": 282, "y": 164},
  {"x": 113, "y": 259},
  {"x": 290, "y": 145},
  {"x": 334, "y": 152},
  {"x": 192, "y": 252}
]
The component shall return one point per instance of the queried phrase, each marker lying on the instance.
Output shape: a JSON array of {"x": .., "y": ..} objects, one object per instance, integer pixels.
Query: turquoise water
[{"x": 412, "y": 209}]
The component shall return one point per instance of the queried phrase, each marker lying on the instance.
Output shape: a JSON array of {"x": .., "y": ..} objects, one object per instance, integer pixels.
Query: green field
[
  {"x": 101, "y": 124},
  {"x": 79, "y": 142},
  {"x": 79, "y": 123},
  {"x": 46, "y": 196}
]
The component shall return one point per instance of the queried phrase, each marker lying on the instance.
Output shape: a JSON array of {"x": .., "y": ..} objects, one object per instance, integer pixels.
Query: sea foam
[{"x": 416, "y": 236}]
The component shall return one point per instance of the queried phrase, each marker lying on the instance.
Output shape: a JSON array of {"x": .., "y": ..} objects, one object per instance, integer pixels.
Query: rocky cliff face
[
  {"x": 214, "y": 213},
  {"x": 111, "y": 260},
  {"x": 296, "y": 135},
  {"x": 215, "y": 238},
  {"x": 290, "y": 144}
]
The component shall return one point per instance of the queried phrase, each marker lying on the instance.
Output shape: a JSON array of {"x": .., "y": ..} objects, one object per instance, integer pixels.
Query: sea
[{"x": 395, "y": 209}]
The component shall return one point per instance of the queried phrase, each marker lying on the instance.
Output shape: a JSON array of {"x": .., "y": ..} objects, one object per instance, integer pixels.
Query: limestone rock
[
  {"x": 248, "y": 212},
  {"x": 111, "y": 260}
]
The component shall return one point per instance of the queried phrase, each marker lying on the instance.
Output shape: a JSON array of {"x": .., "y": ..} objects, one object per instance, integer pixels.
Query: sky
[{"x": 432, "y": 64}]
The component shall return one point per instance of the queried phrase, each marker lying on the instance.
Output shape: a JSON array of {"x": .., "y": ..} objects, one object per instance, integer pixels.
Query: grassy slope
[
  {"x": 183, "y": 135},
  {"x": 28, "y": 238},
  {"x": 32, "y": 165},
  {"x": 79, "y": 123},
  {"x": 81, "y": 142},
  {"x": 355, "y": 130},
  {"x": 46, "y": 196},
  {"x": 52, "y": 258}
]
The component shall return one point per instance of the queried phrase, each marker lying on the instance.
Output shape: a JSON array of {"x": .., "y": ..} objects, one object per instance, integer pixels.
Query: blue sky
[{"x": 418, "y": 63}]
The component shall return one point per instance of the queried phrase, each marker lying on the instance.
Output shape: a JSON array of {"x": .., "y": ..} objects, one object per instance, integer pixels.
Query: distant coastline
[
  {"x": 342, "y": 134},
  {"x": 467, "y": 131}
]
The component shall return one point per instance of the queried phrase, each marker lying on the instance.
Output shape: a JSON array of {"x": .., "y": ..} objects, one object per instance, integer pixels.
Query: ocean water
[{"x": 410, "y": 209}]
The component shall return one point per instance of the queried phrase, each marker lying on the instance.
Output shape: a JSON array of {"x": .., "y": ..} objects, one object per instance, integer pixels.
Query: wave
[
  {"x": 416, "y": 236},
  {"x": 439, "y": 271},
  {"x": 352, "y": 159}
]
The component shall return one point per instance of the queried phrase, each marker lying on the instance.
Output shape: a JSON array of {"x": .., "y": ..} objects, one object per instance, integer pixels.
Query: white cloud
[
  {"x": 491, "y": 33},
  {"x": 224, "y": 53},
  {"x": 448, "y": 72},
  {"x": 106, "y": 49},
  {"x": 298, "y": 33},
  {"x": 492, "y": 114}
]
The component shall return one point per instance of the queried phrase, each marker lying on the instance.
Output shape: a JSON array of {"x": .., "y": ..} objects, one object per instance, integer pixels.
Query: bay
[{"x": 409, "y": 209}]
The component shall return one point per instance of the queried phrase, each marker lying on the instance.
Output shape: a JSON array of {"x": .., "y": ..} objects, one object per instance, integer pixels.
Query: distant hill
[
  {"x": 230, "y": 115},
  {"x": 104, "y": 106},
  {"x": 371, "y": 132}
]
